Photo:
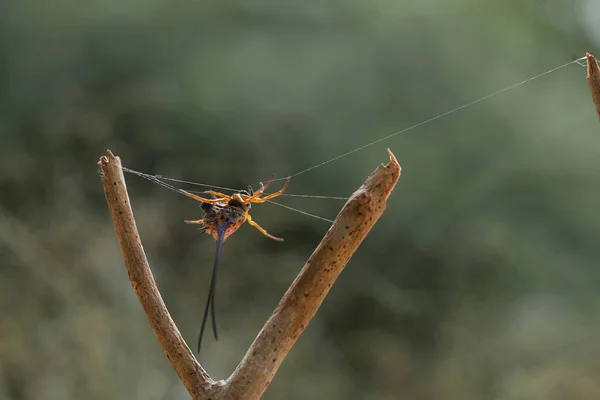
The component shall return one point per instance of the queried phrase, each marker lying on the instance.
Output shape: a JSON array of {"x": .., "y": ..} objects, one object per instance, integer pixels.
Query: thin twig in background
[
  {"x": 295, "y": 310},
  {"x": 593, "y": 78}
]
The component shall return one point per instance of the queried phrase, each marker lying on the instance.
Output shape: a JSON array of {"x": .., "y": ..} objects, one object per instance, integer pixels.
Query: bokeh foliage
[{"x": 481, "y": 280}]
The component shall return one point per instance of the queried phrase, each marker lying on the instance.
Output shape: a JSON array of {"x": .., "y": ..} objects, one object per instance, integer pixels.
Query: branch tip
[{"x": 593, "y": 78}]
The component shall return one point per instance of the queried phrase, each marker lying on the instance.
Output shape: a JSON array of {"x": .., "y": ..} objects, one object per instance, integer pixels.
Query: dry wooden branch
[
  {"x": 593, "y": 78},
  {"x": 194, "y": 378},
  {"x": 303, "y": 298},
  {"x": 295, "y": 310}
]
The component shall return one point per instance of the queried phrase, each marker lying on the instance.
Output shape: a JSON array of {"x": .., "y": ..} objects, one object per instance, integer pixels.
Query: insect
[{"x": 223, "y": 216}]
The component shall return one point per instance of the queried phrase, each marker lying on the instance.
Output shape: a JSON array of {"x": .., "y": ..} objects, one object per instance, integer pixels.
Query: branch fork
[{"x": 293, "y": 313}]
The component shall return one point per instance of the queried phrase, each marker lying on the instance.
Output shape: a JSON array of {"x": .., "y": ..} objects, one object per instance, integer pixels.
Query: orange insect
[{"x": 223, "y": 215}]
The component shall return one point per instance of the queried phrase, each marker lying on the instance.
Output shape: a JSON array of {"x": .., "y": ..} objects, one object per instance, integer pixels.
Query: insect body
[{"x": 223, "y": 216}]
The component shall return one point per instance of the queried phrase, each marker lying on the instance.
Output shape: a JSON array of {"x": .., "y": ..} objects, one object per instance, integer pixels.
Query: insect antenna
[{"x": 210, "y": 302}]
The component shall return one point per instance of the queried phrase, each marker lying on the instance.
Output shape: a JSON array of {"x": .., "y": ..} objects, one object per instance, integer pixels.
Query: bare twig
[
  {"x": 290, "y": 317},
  {"x": 303, "y": 298},
  {"x": 593, "y": 78},
  {"x": 194, "y": 378}
]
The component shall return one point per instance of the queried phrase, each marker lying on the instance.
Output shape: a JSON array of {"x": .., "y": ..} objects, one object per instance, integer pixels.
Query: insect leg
[
  {"x": 196, "y": 222},
  {"x": 272, "y": 195},
  {"x": 217, "y": 195},
  {"x": 260, "y": 229}
]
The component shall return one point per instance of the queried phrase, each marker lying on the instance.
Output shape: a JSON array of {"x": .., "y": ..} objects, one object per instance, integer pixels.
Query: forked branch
[{"x": 295, "y": 310}]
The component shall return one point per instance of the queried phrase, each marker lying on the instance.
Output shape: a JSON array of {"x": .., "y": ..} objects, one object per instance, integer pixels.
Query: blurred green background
[{"x": 479, "y": 282}]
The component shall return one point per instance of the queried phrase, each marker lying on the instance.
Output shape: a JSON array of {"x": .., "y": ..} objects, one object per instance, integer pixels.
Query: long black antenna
[{"x": 210, "y": 302}]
